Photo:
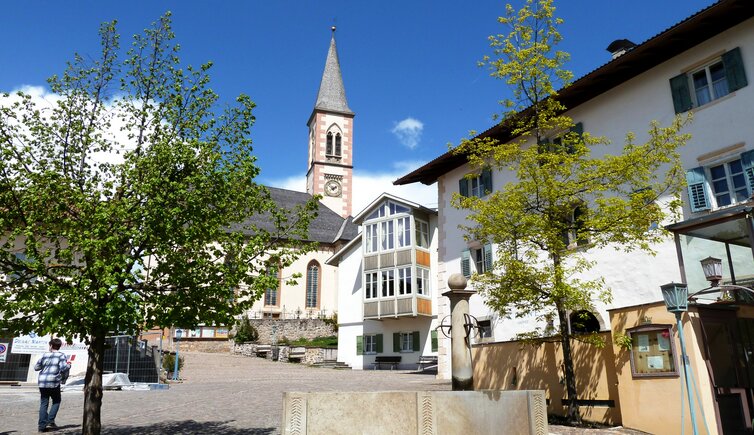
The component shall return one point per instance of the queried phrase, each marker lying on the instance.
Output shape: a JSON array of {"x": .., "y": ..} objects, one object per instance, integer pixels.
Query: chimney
[{"x": 619, "y": 47}]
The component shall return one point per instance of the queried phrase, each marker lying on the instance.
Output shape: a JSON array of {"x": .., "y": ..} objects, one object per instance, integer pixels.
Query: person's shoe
[
  {"x": 51, "y": 426},
  {"x": 44, "y": 429}
]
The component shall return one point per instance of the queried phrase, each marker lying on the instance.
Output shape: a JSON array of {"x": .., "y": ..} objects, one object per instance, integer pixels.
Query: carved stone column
[{"x": 460, "y": 345}]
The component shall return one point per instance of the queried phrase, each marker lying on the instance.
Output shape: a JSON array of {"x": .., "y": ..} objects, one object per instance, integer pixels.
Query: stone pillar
[{"x": 460, "y": 345}]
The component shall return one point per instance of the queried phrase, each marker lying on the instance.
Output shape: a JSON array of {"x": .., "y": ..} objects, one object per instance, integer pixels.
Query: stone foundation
[
  {"x": 313, "y": 355},
  {"x": 291, "y": 329},
  {"x": 214, "y": 346},
  {"x": 422, "y": 412}
]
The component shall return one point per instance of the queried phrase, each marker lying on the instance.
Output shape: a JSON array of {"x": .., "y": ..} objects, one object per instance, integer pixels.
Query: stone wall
[
  {"x": 313, "y": 355},
  {"x": 209, "y": 346},
  {"x": 291, "y": 329}
]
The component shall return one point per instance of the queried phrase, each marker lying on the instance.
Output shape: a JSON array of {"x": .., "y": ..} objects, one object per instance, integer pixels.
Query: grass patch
[{"x": 331, "y": 341}]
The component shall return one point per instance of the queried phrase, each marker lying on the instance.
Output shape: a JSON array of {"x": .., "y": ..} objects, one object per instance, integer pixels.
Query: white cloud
[
  {"x": 369, "y": 185},
  {"x": 409, "y": 132}
]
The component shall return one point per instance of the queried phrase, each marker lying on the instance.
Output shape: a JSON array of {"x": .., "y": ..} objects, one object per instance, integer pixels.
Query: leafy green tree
[
  {"x": 245, "y": 331},
  {"x": 566, "y": 196},
  {"x": 124, "y": 200}
]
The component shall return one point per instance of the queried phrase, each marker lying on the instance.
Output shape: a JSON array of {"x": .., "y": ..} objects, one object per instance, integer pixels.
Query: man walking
[{"x": 51, "y": 367}]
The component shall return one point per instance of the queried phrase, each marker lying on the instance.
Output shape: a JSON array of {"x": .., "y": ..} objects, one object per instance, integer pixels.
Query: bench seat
[{"x": 391, "y": 361}]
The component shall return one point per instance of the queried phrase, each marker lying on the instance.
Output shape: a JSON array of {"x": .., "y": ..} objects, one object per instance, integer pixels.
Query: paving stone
[{"x": 221, "y": 394}]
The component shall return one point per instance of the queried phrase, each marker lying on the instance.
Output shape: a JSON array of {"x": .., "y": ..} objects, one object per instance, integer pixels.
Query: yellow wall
[
  {"x": 654, "y": 404},
  {"x": 516, "y": 365}
]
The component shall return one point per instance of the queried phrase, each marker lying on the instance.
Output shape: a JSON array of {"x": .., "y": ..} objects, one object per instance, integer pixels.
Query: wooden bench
[
  {"x": 426, "y": 362},
  {"x": 297, "y": 354},
  {"x": 392, "y": 361},
  {"x": 262, "y": 350}
]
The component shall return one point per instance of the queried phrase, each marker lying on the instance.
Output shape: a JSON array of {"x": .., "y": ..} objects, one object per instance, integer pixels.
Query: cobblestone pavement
[{"x": 221, "y": 394}]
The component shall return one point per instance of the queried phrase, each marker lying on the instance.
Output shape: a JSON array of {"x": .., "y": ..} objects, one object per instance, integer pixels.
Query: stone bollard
[{"x": 460, "y": 345}]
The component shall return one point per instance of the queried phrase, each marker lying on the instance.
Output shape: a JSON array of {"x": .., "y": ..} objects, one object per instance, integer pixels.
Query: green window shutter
[
  {"x": 463, "y": 187},
  {"x": 543, "y": 146},
  {"x": 734, "y": 69},
  {"x": 747, "y": 161},
  {"x": 379, "y": 343},
  {"x": 486, "y": 179},
  {"x": 396, "y": 342},
  {"x": 578, "y": 128},
  {"x": 466, "y": 263},
  {"x": 488, "y": 257},
  {"x": 359, "y": 345},
  {"x": 415, "y": 341},
  {"x": 434, "y": 340},
  {"x": 698, "y": 198},
  {"x": 679, "y": 87}
]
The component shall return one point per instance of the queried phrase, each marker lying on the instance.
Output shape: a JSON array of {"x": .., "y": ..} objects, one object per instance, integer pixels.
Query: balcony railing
[{"x": 398, "y": 307}]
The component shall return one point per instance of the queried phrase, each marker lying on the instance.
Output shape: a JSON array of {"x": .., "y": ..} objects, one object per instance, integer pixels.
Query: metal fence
[
  {"x": 16, "y": 365},
  {"x": 126, "y": 354},
  {"x": 291, "y": 314}
]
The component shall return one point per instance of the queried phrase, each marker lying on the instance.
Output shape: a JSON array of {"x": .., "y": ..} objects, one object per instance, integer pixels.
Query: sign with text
[{"x": 3, "y": 351}]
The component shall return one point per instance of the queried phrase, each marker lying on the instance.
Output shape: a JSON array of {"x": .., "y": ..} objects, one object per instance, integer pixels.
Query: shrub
[
  {"x": 168, "y": 362},
  {"x": 245, "y": 331}
]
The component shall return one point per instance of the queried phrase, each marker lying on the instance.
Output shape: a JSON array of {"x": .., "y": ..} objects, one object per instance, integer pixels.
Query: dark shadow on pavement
[{"x": 178, "y": 427}]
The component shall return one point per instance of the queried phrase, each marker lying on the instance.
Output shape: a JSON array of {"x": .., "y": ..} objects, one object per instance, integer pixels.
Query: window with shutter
[
  {"x": 715, "y": 80},
  {"x": 488, "y": 257},
  {"x": 466, "y": 263},
  {"x": 396, "y": 342},
  {"x": 434, "y": 340},
  {"x": 378, "y": 340},
  {"x": 696, "y": 181},
  {"x": 415, "y": 344},
  {"x": 359, "y": 345}
]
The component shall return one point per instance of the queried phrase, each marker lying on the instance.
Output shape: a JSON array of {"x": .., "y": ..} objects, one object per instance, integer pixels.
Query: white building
[
  {"x": 700, "y": 64},
  {"x": 387, "y": 304}
]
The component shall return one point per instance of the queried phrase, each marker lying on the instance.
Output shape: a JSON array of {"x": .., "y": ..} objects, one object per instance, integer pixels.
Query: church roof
[
  {"x": 332, "y": 93},
  {"x": 327, "y": 227}
]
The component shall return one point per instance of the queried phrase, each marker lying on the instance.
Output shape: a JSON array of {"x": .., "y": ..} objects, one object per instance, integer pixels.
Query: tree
[
  {"x": 118, "y": 200},
  {"x": 566, "y": 195}
]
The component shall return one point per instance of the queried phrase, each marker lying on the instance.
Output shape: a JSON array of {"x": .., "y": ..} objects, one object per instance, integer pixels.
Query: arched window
[
  {"x": 337, "y": 144},
  {"x": 328, "y": 148},
  {"x": 583, "y": 322},
  {"x": 312, "y": 285}
]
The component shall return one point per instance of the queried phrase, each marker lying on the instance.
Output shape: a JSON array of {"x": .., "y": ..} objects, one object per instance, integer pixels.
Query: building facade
[
  {"x": 701, "y": 65},
  {"x": 386, "y": 294}
]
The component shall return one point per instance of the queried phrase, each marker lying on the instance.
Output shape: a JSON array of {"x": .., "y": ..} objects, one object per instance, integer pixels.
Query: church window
[
  {"x": 337, "y": 144},
  {"x": 328, "y": 148},
  {"x": 312, "y": 285}
]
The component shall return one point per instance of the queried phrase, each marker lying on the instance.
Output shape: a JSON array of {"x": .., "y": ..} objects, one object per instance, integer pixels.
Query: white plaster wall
[
  {"x": 635, "y": 277},
  {"x": 350, "y": 306}
]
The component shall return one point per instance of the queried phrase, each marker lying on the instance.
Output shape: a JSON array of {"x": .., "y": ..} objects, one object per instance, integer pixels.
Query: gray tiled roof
[
  {"x": 327, "y": 227},
  {"x": 332, "y": 93}
]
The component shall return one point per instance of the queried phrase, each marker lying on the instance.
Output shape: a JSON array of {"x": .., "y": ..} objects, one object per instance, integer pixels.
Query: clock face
[{"x": 332, "y": 188}]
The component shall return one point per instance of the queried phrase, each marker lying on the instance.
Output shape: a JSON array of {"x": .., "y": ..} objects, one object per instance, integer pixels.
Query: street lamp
[
  {"x": 676, "y": 300},
  {"x": 713, "y": 270},
  {"x": 178, "y": 333}
]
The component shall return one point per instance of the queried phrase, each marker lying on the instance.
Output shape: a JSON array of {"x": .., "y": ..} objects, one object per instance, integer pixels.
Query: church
[{"x": 330, "y": 175}]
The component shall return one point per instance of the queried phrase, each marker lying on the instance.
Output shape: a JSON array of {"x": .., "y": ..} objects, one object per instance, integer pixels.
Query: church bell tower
[{"x": 330, "y": 165}]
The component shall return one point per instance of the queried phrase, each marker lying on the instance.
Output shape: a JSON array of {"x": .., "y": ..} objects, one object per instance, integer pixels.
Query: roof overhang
[
  {"x": 731, "y": 225},
  {"x": 688, "y": 33}
]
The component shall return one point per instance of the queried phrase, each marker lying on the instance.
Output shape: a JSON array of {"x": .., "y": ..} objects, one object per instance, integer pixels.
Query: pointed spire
[{"x": 332, "y": 93}]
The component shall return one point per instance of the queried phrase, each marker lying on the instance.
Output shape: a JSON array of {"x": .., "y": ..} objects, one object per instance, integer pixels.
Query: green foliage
[
  {"x": 245, "y": 331},
  {"x": 331, "y": 342},
  {"x": 125, "y": 200},
  {"x": 332, "y": 321},
  {"x": 569, "y": 196},
  {"x": 623, "y": 341},
  {"x": 168, "y": 362}
]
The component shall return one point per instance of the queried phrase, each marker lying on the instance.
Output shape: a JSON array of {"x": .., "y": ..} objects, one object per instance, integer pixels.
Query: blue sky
[{"x": 409, "y": 67}]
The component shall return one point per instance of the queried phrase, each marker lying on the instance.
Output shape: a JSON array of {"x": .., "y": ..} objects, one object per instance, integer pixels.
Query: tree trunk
[
  {"x": 572, "y": 415},
  {"x": 93, "y": 385}
]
